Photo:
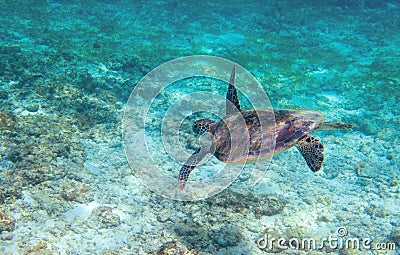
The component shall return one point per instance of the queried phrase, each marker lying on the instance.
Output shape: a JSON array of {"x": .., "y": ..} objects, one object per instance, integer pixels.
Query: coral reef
[
  {"x": 7, "y": 223},
  {"x": 249, "y": 202},
  {"x": 68, "y": 67},
  {"x": 395, "y": 236},
  {"x": 77, "y": 192},
  {"x": 174, "y": 248},
  {"x": 104, "y": 217}
]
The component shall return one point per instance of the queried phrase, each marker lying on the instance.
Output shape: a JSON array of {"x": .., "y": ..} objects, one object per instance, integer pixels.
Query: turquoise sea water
[{"x": 67, "y": 69}]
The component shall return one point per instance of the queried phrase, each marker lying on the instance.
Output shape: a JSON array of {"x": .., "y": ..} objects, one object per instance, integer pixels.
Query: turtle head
[{"x": 203, "y": 126}]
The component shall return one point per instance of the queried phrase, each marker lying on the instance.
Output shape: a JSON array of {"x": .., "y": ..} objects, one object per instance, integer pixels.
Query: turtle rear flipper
[
  {"x": 312, "y": 150},
  {"x": 334, "y": 126},
  {"x": 190, "y": 164}
]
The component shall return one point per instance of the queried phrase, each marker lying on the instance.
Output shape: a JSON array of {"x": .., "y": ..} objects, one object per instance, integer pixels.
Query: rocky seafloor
[{"x": 67, "y": 69}]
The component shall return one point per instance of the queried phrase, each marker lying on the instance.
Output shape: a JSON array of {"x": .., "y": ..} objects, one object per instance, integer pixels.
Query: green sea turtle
[{"x": 288, "y": 128}]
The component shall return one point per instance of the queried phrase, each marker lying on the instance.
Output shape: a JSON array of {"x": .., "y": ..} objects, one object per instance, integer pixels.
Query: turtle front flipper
[
  {"x": 312, "y": 150},
  {"x": 232, "y": 103},
  {"x": 190, "y": 164}
]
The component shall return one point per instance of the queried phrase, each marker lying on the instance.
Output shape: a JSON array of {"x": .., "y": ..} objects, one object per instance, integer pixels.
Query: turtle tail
[{"x": 334, "y": 126}]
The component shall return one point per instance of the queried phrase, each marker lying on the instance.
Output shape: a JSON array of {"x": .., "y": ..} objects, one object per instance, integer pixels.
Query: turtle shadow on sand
[{"x": 249, "y": 136}]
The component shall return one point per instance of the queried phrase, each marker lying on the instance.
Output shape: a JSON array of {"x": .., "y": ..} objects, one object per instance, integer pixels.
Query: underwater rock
[
  {"x": 40, "y": 248},
  {"x": 226, "y": 236},
  {"x": 325, "y": 218},
  {"x": 395, "y": 235},
  {"x": 76, "y": 191},
  {"x": 37, "y": 148},
  {"x": 260, "y": 205},
  {"x": 3, "y": 95},
  {"x": 376, "y": 211},
  {"x": 7, "y": 223},
  {"x": 105, "y": 217},
  {"x": 87, "y": 83},
  {"x": 193, "y": 234},
  {"x": 175, "y": 248},
  {"x": 32, "y": 107},
  {"x": 390, "y": 156},
  {"x": 13, "y": 62},
  {"x": 3, "y": 194},
  {"x": 164, "y": 215},
  {"x": 7, "y": 121},
  {"x": 134, "y": 64}
]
